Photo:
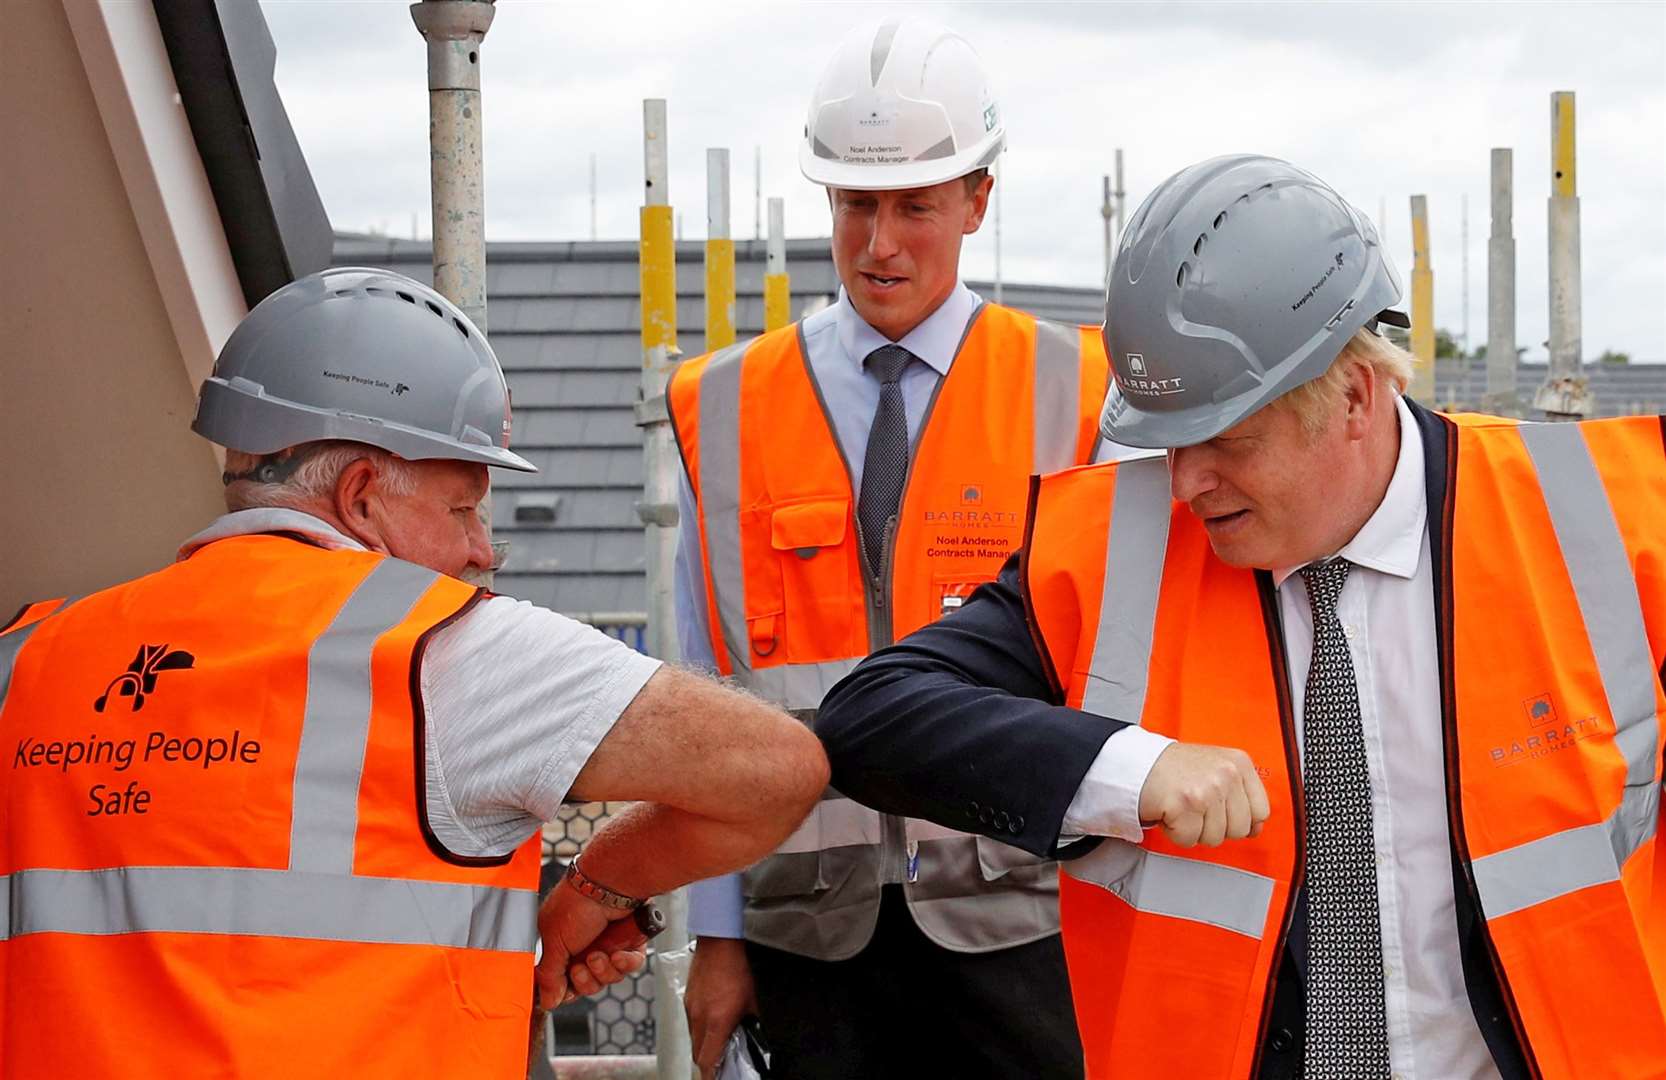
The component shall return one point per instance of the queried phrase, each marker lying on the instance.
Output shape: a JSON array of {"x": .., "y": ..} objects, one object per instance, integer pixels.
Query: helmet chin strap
[{"x": 273, "y": 468}]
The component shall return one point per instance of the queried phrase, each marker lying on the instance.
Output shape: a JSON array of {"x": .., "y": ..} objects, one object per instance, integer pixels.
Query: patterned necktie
[
  {"x": 885, "y": 465},
  {"x": 1347, "y": 1024}
]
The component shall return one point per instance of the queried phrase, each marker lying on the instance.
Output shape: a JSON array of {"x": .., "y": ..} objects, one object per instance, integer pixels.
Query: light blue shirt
[{"x": 836, "y": 341}]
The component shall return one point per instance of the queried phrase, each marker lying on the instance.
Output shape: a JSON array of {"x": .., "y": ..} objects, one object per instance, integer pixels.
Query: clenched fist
[{"x": 1204, "y": 795}]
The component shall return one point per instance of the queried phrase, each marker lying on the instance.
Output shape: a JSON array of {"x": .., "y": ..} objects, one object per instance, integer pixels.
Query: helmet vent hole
[
  {"x": 1180, "y": 275},
  {"x": 435, "y": 308},
  {"x": 1197, "y": 247},
  {"x": 1220, "y": 218},
  {"x": 461, "y": 329},
  {"x": 407, "y": 297}
]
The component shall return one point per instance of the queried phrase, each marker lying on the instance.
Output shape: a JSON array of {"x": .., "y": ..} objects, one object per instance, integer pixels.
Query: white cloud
[{"x": 1382, "y": 100}]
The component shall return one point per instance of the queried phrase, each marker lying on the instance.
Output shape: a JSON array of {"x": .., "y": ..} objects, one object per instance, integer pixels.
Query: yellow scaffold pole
[
  {"x": 777, "y": 292},
  {"x": 720, "y": 254},
  {"x": 1566, "y": 393},
  {"x": 658, "y": 512},
  {"x": 1422, "y": 304}
]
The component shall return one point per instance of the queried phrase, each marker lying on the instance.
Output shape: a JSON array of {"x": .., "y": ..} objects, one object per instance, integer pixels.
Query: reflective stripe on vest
[
  {"x": 1158, "y": 884},
  {"x": 719, "y": 489},
  {"x": 269, "y": 903},
  {"x": 318, "y": 897},
  {"x": 1128, "y": 613}
]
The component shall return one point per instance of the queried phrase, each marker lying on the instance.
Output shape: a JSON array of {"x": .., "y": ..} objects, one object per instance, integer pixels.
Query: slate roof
[{"x": 564, "y": 321}]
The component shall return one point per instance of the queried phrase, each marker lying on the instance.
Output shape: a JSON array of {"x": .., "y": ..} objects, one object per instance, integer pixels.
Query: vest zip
[
  {"x": 893, "y": 842},
  {"x": 1440, "y": 564},
  {"x": 1298, "y": 801}
]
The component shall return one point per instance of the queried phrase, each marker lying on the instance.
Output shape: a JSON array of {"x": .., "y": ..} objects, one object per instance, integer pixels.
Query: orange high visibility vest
[
  {"x": 1552, "y": 616},
  {"x": 214, "y": 847},
  {"x": 792, "y": 609}
]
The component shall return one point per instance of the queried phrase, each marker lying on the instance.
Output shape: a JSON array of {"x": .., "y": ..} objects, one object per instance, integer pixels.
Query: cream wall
[{"x": 100, "y": 476}]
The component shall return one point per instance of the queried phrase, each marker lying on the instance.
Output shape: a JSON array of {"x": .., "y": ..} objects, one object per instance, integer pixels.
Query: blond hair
[
  {"x": 314, "y": 478},
  {"x": 1315, "y": 402}
]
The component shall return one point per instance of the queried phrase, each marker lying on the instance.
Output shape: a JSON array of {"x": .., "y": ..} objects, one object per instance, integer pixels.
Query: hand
[
  {"x": 570, "y": 924},
  {"x": 1204, "y": 795},
  {"x": 720, "y": 992}
]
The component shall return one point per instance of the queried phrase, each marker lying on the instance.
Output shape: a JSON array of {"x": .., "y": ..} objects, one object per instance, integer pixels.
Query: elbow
[{"x": 810, "y": 773}]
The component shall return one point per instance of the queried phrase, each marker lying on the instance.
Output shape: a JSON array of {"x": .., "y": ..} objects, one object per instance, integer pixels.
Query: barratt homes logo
[
  {"x": 1545, "y": 733},
  {"x": 1139, "y": 383},
  {"x": 139, "y": 679},
  {"x": 971, "y": 495}
]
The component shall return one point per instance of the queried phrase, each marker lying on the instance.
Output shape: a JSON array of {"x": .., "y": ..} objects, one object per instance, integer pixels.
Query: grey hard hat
[
  {"x": 1237, "y": 280},
  {"x": 365, "y": 355}
]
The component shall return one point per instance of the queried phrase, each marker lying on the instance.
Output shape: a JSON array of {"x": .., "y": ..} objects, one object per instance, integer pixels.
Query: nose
[
  {"x": 882, "y": 241},
  {"x": 480, "y": 546},
  {"x": 1190, "y": 473}
]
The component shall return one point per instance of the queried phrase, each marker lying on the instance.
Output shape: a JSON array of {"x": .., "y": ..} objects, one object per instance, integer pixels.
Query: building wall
[{"x": 100, "y": 476}]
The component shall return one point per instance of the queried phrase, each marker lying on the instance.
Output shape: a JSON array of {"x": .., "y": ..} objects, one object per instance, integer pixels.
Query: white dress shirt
[{"x": 1388, "y": 619}]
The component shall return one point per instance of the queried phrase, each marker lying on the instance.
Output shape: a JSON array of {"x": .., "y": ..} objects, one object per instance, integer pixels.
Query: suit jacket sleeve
[{"x": 959, "y": 722}]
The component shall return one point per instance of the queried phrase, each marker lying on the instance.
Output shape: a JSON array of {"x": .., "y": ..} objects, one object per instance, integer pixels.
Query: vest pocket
[
  {"x": 809, "y": 539},
  {"x": 997, "y": 860}
]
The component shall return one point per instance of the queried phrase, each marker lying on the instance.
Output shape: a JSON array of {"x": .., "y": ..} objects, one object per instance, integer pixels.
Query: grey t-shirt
[{"x": 516, "y": 698}]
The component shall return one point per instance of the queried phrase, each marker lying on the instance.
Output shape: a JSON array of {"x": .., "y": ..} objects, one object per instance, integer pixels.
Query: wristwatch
[{"x": 595, "y": 891}]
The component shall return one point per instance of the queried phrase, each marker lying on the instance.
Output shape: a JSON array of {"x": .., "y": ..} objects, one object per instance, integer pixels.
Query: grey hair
[{"x": 314, "y": 478}]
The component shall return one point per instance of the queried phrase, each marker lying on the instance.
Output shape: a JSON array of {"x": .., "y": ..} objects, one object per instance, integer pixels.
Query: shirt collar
[
  {"x": 935, "y": 341},
  {"x": 268, "y": 519},
  {"x": 1391, "y": 540}
]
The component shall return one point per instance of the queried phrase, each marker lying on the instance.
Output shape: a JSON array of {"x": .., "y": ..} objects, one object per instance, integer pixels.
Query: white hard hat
[{"x": 903, "y": 104}]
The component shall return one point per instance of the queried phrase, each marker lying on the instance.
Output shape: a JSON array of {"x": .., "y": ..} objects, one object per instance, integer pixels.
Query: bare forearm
[{"x": 650, "y": 848}]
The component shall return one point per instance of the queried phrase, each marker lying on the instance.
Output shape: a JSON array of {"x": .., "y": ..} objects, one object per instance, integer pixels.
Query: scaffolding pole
[
  {"x": 720, "y": 254},
  {"x": 1501, "y": 289},
  {"x": 1566, "y": 394},
  {"x": 1422, "y": 304},
  {"x": 1107, "y": 210},
  {"x": 777, "y": 288},
  {"x": 454, "y": 30},
  {"x": 658, "y": 512},
  {"x": 1121, "y": 200}
]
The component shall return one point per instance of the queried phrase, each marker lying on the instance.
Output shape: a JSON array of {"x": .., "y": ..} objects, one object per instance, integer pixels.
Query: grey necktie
[
  {"x": 1347, "y": 1024},
  {"x": 885, "y": 465}
]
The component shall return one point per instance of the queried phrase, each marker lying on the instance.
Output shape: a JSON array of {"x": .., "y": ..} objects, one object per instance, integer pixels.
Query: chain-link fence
[{"x": 620, "y": 1020}]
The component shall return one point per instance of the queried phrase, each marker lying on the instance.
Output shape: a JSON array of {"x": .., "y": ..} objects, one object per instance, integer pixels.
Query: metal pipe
[
  {"x": 658, "y": 512},
  {"x": 1422, "y": 304},
  {"x": 1121, "y": 199},
  {"x": 777, "y": 288},
  {"x": 1107, "y": 211},
  {"x": 757, "y": 192},
  {"x": 1566, "y": 394},
  {"x": 1501, "y": 290},
  {"x": 720, "y": 254},
  {"x": 454, "y": 30}
]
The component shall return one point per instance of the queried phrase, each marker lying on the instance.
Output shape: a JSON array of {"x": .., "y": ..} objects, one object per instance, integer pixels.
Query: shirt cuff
[
  {"x": 715, "y": 906},
  {"x": 1108, "y": 802}
]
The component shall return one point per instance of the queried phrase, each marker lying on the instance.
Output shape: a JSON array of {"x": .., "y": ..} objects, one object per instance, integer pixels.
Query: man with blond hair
[{"x": 1435, "y": 641}]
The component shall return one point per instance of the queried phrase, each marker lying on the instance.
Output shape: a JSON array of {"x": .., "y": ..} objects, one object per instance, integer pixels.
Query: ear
[
  {"x": 978, "y": 205},
  {"x": 357, "y": 499},
  {"x": 1363, "y": 392}
]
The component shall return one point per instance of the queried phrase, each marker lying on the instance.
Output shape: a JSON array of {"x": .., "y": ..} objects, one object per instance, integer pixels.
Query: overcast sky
[{"x": 1384, "y": 100}]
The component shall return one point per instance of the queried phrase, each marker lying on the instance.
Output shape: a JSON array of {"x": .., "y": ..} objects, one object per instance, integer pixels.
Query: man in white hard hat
[
  {"x": 274, "y": 809},
  {"x": 850, "y": 478}
]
